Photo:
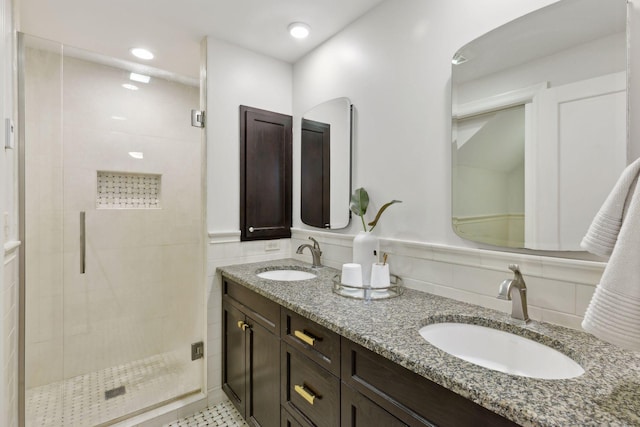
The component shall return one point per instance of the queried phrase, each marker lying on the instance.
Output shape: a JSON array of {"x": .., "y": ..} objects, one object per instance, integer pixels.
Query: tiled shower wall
[{"x": 142, "y": 291}]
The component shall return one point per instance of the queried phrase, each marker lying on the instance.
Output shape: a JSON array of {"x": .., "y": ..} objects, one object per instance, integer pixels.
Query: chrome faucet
[
  {"x": 516, "y": 290},
  {"x": 315, "y": 252}
]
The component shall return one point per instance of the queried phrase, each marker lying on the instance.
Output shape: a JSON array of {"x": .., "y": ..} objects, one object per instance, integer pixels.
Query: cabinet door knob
[
  {"x": 242, "y": 325},
  {"x": 306, "y": 395},
  {"x": 304, "y": 337}
]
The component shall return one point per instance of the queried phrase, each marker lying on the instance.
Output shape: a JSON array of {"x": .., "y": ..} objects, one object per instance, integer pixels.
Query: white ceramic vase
[{"x": 366, "y": 248}]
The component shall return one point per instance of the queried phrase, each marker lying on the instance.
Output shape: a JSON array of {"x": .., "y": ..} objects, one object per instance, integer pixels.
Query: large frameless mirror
[
  {"x": 325, "y": 164},
  {"x": 538, "y": 105}
]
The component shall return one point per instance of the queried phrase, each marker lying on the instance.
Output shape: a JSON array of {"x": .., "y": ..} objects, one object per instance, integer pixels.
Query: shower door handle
[{"x": 83, "y": 243}]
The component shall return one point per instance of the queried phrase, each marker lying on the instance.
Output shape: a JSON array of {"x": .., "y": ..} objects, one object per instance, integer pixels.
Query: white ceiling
[{"x": 173, "y": 29}]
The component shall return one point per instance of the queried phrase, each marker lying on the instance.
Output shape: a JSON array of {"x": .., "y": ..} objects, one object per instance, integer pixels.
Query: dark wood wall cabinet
[
  {"x": 265, "y": 174},
  {"x": 282, "y": 369}
]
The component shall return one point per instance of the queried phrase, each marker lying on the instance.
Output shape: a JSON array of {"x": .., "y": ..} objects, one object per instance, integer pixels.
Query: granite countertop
[{"x": 608, "y": 393}]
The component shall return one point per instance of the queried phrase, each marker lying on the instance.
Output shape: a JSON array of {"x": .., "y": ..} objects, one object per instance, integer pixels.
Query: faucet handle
[
  {"x": 316, "y": 245},
  {"x": 517, "y": 274}
]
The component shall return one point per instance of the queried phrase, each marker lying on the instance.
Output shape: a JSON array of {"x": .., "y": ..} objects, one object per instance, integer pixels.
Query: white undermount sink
[
  {"x": 286, "y": 275},
  {"x": 501, "y": 351}
]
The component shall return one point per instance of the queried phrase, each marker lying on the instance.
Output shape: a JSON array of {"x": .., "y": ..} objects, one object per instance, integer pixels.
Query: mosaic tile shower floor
[
  {"x": 81, "y": 402},
  {"x": 223, "y": 414}
]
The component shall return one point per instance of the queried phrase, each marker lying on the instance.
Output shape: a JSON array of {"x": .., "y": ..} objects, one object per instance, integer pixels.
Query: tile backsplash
[{"x": 558, "y": 289}]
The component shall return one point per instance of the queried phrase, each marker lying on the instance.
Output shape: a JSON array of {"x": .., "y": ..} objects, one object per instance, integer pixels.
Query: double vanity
[{"x": 297, "y": 354}]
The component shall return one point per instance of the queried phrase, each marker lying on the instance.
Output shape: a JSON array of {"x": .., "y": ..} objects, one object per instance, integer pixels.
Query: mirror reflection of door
[
  {"x": 315, "y": 173},
  {"x": 325, "y": 164},
  {"x": 489, "y": 177}
]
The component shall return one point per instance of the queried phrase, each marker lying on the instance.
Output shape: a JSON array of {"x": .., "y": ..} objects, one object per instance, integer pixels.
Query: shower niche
[{"x": 117, "y": 190}]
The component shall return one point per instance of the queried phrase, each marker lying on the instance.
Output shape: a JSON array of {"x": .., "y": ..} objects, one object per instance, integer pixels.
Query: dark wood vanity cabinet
[
  {"x": 251, "y": 354},
  {"x": 282, "y": 369},
  {"x": 358, "y": 411},
  {"x": 314, "y": 341},
  {"x": 310, "y": 369},
  {"x": 287, "y": 420},
  {"x": 411, "y": 398},
  {"x": 309, "y": 392}
]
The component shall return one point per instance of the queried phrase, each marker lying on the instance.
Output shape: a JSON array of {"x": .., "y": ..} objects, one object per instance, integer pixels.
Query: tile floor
[
  {"x": 223, "y": 414},
  {"x": 81, "y": 401}
]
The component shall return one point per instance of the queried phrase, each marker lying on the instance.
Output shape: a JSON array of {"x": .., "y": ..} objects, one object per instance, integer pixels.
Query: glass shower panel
[
  {"x": 42, "y": 216},
  {"x": 129, "y": 245}
]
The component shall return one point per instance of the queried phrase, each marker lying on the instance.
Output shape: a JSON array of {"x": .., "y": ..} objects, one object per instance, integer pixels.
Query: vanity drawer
[
  {"x": 410, "y": 397},
  {"x": 313, "y": 340},
  {"x": 257, "y": 307},
  {"x": 288, "y": 420},
  {"x": 358, "y": 411},
  {"x": 308, "y": 390}
]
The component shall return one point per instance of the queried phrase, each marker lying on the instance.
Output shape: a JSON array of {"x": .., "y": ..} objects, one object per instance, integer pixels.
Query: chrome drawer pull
[
  {"x": 304, "y": 337},
  {"x": 306, "y": 395}
]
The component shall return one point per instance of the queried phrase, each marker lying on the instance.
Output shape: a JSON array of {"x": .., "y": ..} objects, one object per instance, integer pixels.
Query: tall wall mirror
[
  {"x": 539, "y": 125},
  {"x": 325, "y": 165}
]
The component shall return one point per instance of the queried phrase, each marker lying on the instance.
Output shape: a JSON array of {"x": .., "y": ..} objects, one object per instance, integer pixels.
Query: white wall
[
  {"x": 395, "y": 65},
  {"x": 235, "y": 76}
]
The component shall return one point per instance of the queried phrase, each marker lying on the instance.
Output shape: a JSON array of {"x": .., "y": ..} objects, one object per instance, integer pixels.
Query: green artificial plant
[{"x": 360, "y": 203}]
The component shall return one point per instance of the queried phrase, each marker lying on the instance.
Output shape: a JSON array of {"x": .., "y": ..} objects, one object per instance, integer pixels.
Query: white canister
[
  {"x": 380, "y": 276},
  {"x": 351, "y": 274},
  {"x": 366, "y": 247}
]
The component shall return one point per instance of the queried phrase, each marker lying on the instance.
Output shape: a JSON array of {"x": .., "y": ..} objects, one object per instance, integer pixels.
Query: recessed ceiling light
[
  {"x": 130, "y": 86},
  {"x": 299, "y": 30},
  {"x": 136, "y": 155},
  {"x": 141, "y": 53},
  {"x": 139, "y": 78},
  {"x": 118, "y": 118}
]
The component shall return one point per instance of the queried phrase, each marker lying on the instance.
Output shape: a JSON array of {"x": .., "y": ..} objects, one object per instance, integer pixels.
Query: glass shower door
[{"x": 128, "y": 234}]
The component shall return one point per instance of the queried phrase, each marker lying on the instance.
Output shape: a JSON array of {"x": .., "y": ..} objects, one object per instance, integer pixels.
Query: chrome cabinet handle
[
  {"x": 252, "y": 229},
  {"x": 306, "y": 395},
  {"x": 83, "y": 243}
]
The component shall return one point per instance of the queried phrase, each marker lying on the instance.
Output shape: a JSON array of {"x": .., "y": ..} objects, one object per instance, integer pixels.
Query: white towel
[
  {"x": 603, "y": 232},
  {"x": 614, "y": 312}
]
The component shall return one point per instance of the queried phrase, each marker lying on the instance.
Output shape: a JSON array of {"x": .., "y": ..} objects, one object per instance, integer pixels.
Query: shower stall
[{"x": 113, "y": 227}]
